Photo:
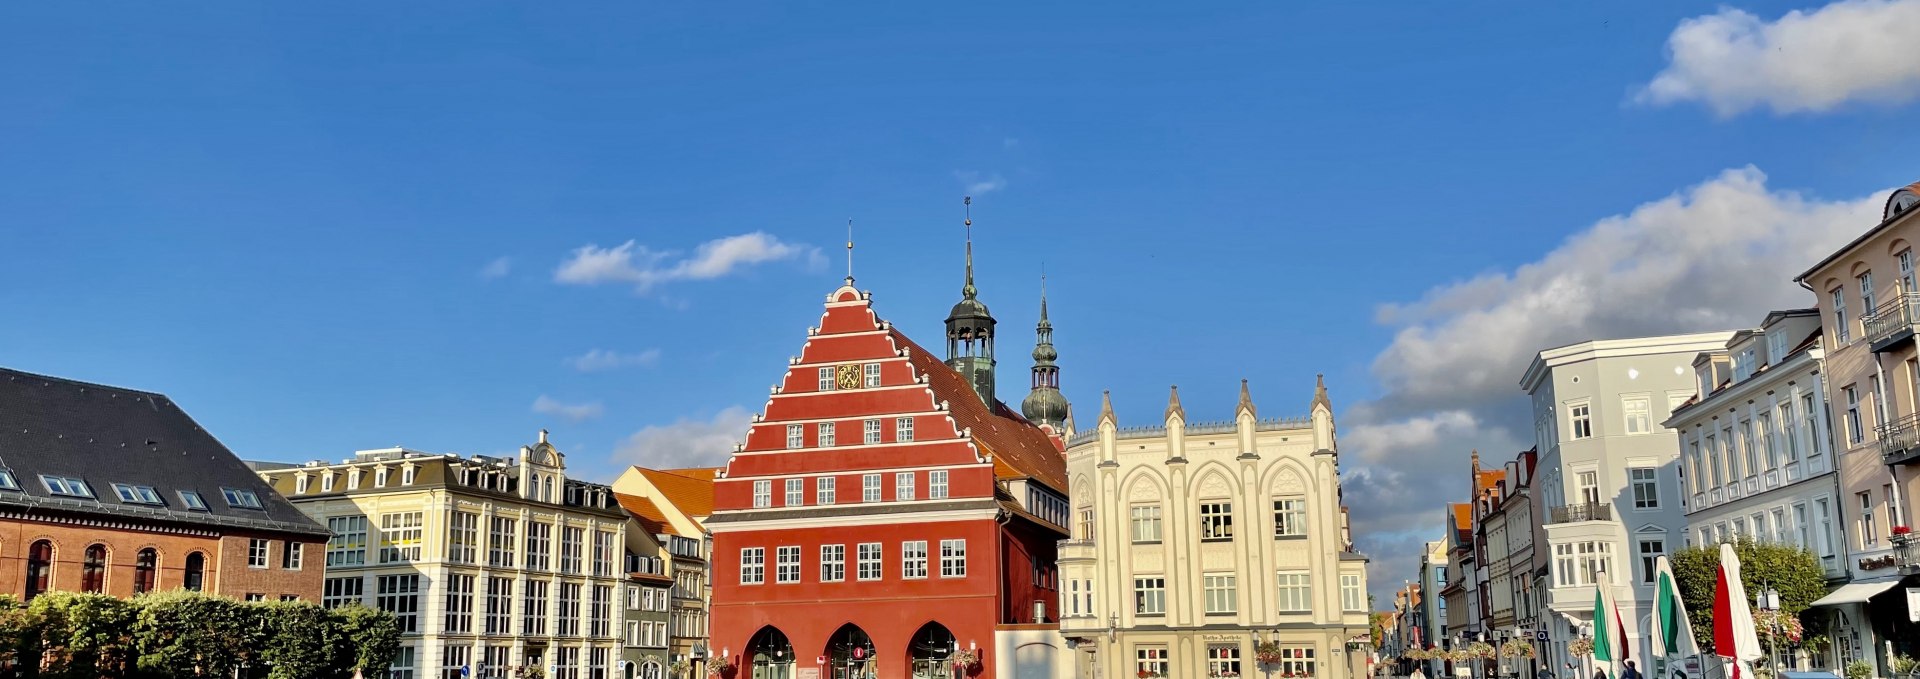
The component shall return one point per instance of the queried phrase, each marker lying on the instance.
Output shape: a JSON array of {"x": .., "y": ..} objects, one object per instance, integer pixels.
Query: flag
[
  {"x": 1733, "y": 634},
  {"x": 1610, "y": 640},
  {"x": 1672, "y": 633}
]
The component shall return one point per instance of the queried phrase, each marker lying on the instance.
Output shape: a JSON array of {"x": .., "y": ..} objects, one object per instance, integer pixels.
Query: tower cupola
[
  {"x": 970, "y": 329},
  {"x": 1045, "y": 405}
]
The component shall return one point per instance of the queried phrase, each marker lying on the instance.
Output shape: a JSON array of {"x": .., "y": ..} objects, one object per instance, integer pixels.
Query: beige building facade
[
  {"x": 1195, "y": 541},
  {"x": 1869, "y": 310},
  {"x": 490, "y": 564}
]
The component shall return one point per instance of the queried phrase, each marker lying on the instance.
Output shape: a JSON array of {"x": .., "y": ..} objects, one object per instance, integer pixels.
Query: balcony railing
[
  {"x": 1906, "y": 553},
  {"x": 1900, "y": 440},
  {"x": 1592, "y": 511},
  {"x": 1893, "y": 321}
]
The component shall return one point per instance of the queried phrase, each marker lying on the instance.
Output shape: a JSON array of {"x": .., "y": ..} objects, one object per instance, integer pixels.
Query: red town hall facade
[{"x": 887, "y": 512}]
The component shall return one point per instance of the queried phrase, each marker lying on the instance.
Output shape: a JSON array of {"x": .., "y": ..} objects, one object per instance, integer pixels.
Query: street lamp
[{"x": 1770, "y": 601}]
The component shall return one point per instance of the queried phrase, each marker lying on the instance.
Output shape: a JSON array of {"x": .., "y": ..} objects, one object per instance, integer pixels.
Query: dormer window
[
  {"x": 300, "y": 484},
  {"x": 193, "y": 501},
  {"x": 140, "y": 495},
  {"x": 241, "y": 498},
  {"x": 406, "y": 475},
  {"x": 353, "y": 480},
  {"x": 326, "y": 482},
  {"x": 380, "y": 477},
  {"x": 66, "y": 486}
]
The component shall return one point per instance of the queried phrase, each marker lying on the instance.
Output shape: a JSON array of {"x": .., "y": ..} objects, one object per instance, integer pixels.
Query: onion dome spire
[{"x": 1045, "y": 405}]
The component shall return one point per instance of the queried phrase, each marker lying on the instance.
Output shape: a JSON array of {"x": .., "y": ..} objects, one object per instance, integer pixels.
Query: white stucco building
[
  {"x": 1757, "y": 456},
  {"x": 1608, "y": 490},
  {"x": 1194, "y": 541}
]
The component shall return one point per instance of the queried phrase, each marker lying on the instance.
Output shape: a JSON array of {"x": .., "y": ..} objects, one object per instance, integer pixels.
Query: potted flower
[
  {"x": 1480, "y": 650},
  {"x": 1516, "y": 648},
  {"x": 719, "y": 669},
  {"x": 965, "y": 659},
  {"x": 1267, "y": 652},
  {"x": 1148, "y": 674},
  {"x": 1581, "y": 647},
  {"x": 1859, "y": 669},
  {"x": 1903, "y": 665}
]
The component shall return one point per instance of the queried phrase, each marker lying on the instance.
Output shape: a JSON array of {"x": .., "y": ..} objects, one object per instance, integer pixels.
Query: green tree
[
  {"x": 184, "y": 634},
  {"x": 83, "y": 636},
  {"x": 373, "y": 633},
  {"x": 1791, "y": 570},
  {"x": 302, "y": 641}
]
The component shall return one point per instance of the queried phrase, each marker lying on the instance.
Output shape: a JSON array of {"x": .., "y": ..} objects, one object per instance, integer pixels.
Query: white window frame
[
  {"x": 1149, "y": 595},
  {"x": 796, "y": 492},
  {"x": 1579, "y": 420},
  {"x": 870, "y": 488},
  {"x": 872, "y": 432},
  {"x": 902, "y": 429},
  {"x": 762, "y": 493},
  {"x": 824, "y": 490},
  {"x": 1295, "y": 591},
  {"x": 826, "y": 379},
  {"x": 1644, "y": 476},
  {"x": 873, "y": 375},
  {"x": 937, "y": 484},
  {"x": 796, "y": 436},
  {"x": 913, "y": 560},
  {"x": 953, "y": 558},
  {"x": 1221, "y": 593},
  {"x": 833, "y": 563},
  {"x": 871, "y": 564},
  {"x": 753, "y": 565},
  {"x": 903, "y": 486},
  {"x": 786, "y": 564},
  {"x": 1637, "y": 413},
  {"x": 826, "y": 435},
  {"x": 1144, "y": 522}
]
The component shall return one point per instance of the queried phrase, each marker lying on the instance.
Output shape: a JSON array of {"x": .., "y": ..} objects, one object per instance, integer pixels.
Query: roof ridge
[{"x": 68, "y": 380}]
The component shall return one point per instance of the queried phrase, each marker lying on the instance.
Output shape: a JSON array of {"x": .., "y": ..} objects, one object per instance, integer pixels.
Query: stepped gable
[{"x": 1020, "y": 449}]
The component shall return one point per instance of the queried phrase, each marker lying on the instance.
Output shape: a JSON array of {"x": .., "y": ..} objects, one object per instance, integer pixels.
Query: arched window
[
  {"x": 93, "y": 571},
  {"x": 196, "y": 572},
  {"x": 770, "y": 655},
  {"x": 39, "y": 568},
  {"x": 930, "y": 650},
  {"x": 146, "y": 565},
  {"x": 850, "y": 654}
]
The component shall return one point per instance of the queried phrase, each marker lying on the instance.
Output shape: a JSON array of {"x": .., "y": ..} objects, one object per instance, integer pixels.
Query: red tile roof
[
  {"x": 701, "y": 473},
  {"x": 692, "y": 496},
  {"x": 1019, "y": 448},
  {"x": 649, "y": 514}
]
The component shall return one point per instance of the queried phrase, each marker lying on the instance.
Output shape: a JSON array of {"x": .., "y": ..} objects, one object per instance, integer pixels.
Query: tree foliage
[
  {"x": 83, "y": 636},
  {"x": 1791, "y": 570},
  {"x": 373, "y": 633},
  {"x": 179, "y": 634}
]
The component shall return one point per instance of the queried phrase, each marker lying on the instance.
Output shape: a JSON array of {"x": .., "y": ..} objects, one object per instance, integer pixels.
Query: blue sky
[{"x": 330, "y": 227}]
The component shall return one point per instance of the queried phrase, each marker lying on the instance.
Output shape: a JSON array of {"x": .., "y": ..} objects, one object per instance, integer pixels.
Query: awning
[{"x": 1858, "y": 591}]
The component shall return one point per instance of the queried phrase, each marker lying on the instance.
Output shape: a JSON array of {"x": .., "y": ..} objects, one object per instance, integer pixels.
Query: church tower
[
  {"x": 1045, "y": 405},
  {"x": 970, "y": 330}
]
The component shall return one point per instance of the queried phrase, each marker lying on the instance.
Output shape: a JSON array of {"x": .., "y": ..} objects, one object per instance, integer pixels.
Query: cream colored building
[
  {"x": 1869, "y": 311},
  {"x": 489, "y": 563},
  {"x": 1193, "y": 542}
]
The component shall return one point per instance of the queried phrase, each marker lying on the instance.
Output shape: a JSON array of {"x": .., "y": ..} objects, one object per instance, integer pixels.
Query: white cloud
[
  {"x": 978, "y": 184},
  {"x": 686, "y": 442},
  {"x": 603, "y": 359},
  {"x": 1716, "y": 256},
  {"x": 571, "y": 412},
  {"x": 645, "y": 268},
  {"x": 496, "y": 268},
  {"x": 1851, "y": 50}
]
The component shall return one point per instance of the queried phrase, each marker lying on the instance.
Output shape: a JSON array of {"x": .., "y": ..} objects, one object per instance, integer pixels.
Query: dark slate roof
[{"x": 107, "y": 435}]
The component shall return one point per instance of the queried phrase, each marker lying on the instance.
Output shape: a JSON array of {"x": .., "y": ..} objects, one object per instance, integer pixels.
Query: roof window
[
  {"x": 240, "y": 497},
  {"x": 193, "y": 500},
  {"x": 7, "y": 482},
  {"x": 66, "y": 486},
  {"x": 140, "y": 495}
]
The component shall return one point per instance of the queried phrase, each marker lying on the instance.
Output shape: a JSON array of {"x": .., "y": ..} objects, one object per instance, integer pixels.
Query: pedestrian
[
  {"x": 1417, "y": 674},
  {"x": 1631, "y": 673}
]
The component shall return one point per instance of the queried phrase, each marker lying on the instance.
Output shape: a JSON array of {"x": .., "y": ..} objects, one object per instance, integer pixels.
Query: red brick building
[
  {"x": 113, "y": 490},
  {"x": 887, "y": 511}
]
